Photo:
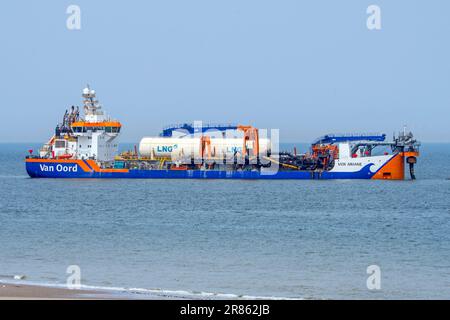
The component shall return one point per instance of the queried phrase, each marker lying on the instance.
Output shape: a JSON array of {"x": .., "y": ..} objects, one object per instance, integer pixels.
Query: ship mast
[{"x": 91, "y": 105}]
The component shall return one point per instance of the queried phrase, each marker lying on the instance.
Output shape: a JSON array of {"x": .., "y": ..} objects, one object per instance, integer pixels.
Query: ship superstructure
[
  {"x": 93, "y": 137},
  {"x": 87, "y": 147}
]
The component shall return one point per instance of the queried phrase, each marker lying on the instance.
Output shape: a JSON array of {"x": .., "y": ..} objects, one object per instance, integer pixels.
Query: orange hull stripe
[
  {"x": 393, "y": 170},
  {"x": 93, "y": 165},
  {"x": 83, "y": 166}
]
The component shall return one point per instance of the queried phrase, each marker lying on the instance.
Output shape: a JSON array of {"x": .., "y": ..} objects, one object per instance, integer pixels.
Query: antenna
[{"x": 91, "y": 106}]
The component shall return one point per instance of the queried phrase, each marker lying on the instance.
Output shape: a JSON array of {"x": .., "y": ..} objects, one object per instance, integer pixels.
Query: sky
[{"x": 304, "y": 67}]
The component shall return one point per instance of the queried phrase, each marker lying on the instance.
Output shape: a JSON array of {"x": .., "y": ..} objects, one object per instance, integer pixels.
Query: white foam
[
  {"x": 140, "y": 293},
  {"x": 13, "y": 276}
]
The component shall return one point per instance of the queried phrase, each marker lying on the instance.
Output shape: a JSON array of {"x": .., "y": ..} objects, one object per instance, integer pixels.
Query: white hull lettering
[{"x": 59, "y": 168}]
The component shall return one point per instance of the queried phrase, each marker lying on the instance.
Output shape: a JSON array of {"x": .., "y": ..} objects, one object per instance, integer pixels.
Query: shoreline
[
  {"x": 16, "y": 291},
  {"x": 26, "y": 291},
  {"x": 23, "y": 290}
]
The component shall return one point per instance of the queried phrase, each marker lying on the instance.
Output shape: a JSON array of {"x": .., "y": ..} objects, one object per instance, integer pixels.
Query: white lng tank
[{"x": 190, "y": 147}]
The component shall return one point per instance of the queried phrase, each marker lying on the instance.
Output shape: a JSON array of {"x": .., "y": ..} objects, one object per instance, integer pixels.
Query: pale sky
[{"x": 304, "y": 67}]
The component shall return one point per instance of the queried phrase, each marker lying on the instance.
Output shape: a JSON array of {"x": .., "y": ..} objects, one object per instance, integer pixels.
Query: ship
[{"x": 87, "y": 146}]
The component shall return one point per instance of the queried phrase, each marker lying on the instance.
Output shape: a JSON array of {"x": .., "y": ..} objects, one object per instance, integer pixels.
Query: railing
[{"x": 333, "y": 137}]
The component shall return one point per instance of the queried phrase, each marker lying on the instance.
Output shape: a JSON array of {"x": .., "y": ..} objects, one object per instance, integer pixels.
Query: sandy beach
[{"x": 22, "y": 291}]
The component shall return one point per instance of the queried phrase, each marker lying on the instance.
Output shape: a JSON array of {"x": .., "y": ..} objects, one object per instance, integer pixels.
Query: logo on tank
[{"x": 166, "y": 148}]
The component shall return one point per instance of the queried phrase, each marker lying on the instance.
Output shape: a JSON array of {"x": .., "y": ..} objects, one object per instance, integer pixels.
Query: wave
[{"x": 143, "y": 293}]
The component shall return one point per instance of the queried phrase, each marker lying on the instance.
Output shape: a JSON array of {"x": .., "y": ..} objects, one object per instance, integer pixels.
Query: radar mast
[{"x": 91, "y": 105}]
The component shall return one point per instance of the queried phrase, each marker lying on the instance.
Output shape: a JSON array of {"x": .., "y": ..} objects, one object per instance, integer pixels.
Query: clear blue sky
[{"x": 305, "y": 67}]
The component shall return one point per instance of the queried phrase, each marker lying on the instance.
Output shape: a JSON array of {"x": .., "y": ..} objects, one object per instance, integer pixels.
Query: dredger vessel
[{"x": 87, "y": 147}]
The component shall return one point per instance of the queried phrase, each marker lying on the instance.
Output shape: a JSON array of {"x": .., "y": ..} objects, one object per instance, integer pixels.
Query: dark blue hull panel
[{"x": 72, "y": 170}]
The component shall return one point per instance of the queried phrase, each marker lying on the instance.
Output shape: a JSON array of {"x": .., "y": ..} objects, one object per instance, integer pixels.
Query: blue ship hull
[{"x": 44, "y": 169}]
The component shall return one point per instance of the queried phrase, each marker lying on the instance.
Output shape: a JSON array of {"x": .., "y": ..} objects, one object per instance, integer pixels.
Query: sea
[{"x": 212, "y": 239}]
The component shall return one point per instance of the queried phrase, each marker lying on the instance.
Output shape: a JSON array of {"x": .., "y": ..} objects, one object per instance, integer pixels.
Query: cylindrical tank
[{"x": 190, "y": 147}]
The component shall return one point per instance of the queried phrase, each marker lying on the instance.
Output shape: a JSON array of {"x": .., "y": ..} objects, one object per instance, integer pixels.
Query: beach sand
[{"x": 22, "y": 291}]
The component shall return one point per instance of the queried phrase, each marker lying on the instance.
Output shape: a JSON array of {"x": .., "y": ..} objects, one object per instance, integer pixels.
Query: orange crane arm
[{"x": 250, "y": 134}]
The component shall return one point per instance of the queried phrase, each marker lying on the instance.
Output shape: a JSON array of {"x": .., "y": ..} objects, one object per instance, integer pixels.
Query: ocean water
[{"x": 285, "y": 239}]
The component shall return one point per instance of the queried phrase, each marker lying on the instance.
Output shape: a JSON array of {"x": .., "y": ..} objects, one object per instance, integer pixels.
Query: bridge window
[{"x": 60, "y": 143}]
